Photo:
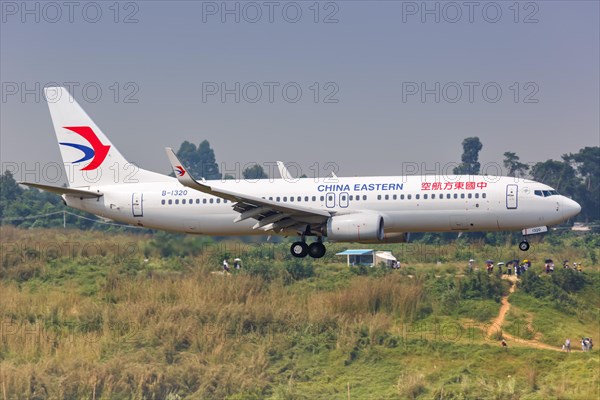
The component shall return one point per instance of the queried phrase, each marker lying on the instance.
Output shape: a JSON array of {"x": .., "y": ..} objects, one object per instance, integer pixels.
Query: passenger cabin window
[{"x": 483, "y": 195}]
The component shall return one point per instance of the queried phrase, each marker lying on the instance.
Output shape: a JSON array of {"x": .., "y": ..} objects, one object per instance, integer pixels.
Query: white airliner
[{"x": 380, "y": 209}]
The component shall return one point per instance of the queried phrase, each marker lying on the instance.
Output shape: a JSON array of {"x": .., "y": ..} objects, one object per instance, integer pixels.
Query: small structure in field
[{"x": 369, "y": 257}]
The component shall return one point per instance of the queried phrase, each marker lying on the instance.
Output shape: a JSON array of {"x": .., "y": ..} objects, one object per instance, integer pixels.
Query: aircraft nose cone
[{"x": 570, "y": 208}]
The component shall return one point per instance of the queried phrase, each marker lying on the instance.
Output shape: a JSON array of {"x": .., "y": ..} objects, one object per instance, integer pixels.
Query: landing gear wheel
[
  {"x": 299, "y": 249},
  {"x": 316, "y": 250},
  {"x": 524, "y": 245}
]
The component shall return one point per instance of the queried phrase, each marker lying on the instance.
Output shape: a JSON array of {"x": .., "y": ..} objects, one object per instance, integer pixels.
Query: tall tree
[
  {"x": 513, "y": 165},
  {"x": 470, "y": 158},
  {"x": 558, "y": 174},
  {"x": 587, "y": 163},
  {"x": 200, "y": 161},
  {"x": 9, "y": 191},
  {"x": 254, "y": 172}
]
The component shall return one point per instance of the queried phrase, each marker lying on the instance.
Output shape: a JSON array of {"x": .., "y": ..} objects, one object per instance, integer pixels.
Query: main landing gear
[{"x": 300, "y": 249}]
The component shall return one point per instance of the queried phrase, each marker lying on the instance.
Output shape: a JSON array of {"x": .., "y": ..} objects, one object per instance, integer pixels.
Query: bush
[
  {"x": 300, "y": 269},
  {"x": 481, "y": 285},
  {"x": 568, "y": 279},
  {"x": 267, "y": 270}
]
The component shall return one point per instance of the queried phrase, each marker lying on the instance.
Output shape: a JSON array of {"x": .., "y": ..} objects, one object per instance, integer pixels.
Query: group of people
[
  {"x": 237, "y": 264},
  {"x": 518, "y": 267},
  {"x": 586, "y": 344},
  {"x": 549, "y": 266},
  {"x": 513, "y": 265}
]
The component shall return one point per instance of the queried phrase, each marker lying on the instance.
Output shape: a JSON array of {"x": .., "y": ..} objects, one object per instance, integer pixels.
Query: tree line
[{"x": 576, "y": 175}]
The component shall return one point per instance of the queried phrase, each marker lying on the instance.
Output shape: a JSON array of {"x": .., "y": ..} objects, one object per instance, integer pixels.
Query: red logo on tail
[
  {"x": 180, "y": 171},
  {"x": 100, "y": 150}
]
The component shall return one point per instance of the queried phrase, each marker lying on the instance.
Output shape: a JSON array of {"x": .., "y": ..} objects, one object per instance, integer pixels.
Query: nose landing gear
[{"x": 524, "y": 245}]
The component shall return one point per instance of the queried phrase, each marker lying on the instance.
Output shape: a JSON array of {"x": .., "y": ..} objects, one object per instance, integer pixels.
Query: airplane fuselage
[{"x": 407, "y": 204}]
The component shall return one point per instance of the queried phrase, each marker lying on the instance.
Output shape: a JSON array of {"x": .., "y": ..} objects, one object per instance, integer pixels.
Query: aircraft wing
[
  {"x": 84, "y": 194},
  {"x": 271, "y": 215}
]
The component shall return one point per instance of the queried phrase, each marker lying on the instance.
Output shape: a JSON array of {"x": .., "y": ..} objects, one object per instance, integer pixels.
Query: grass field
[{"x": 114, "y": 316}]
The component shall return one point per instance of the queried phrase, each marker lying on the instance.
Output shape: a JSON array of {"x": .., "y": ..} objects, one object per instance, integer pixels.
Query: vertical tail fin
[{"x": 90, "y": 159}]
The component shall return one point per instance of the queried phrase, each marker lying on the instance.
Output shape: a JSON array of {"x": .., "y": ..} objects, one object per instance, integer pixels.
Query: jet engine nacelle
[
  {"x": 357, "y": 227},
  {"x": 394, "y": 237}
]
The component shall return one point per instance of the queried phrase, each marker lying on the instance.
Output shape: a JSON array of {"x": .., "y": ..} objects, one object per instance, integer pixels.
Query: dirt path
[{"x": 496, "y": 325}]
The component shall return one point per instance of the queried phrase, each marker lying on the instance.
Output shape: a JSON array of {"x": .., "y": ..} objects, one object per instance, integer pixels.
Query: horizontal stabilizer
[{"x": 86, "y": 194}]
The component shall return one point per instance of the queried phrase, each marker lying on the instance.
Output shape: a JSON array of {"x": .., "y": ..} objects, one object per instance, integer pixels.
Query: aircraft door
[
  {"x": 512, "y": 199},
  {"x": 137, "y": 204},
  {"x": 344, "y": 200},
  {"x": 330, "y": 200}
]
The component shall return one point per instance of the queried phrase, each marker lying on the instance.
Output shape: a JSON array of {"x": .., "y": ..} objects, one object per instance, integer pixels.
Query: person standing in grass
[
  {"x": 225, "y": 265},
  {"x": 568, "y": 345},
  {"x": 470, "y": 265}
]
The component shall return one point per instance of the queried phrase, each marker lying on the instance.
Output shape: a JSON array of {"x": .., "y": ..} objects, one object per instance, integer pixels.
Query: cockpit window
[{"x": 545, "y": 193}]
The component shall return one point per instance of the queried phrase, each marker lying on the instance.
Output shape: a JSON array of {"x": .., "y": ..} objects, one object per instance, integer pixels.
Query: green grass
[{"x": 147, "y": 326}]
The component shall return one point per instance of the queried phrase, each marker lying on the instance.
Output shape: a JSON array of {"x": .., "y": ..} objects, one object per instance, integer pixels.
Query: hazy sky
[{"x": 371, "y": 86}]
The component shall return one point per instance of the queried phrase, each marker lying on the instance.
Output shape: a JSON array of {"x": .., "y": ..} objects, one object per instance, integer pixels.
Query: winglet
[
  {"x": 283, "y": 171},
  {"x": 181, "y": 173}
]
